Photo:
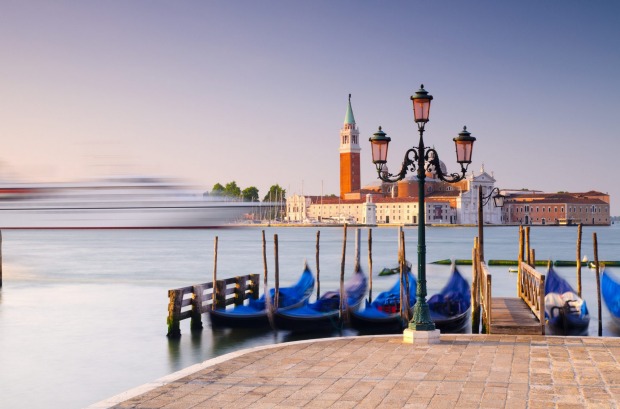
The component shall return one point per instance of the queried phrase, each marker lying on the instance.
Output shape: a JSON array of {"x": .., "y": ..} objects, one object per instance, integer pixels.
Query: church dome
[{"x": 431, "y": 173}]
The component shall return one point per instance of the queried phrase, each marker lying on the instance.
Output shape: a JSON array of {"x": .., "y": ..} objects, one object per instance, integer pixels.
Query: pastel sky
[{"x": 256, "y": 91}]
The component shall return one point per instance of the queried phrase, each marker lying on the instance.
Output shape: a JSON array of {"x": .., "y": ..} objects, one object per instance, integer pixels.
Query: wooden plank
[{"x": 513, "y": 316}]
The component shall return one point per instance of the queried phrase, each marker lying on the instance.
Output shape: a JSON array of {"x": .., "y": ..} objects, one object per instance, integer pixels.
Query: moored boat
[
  {"x": 610, "y": 291},
  {"x": 256, "y": 313},
  {"x": 383, "y": 315},
  {"x": 566, "y": 313},
  {"x": 325, "y": 313},
  {"x": 450, "y": 307}
]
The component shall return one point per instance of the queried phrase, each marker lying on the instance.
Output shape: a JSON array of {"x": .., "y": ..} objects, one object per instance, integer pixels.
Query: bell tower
[{"x": 349, "y": 154}]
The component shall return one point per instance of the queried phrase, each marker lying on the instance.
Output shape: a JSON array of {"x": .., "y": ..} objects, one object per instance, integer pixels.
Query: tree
[
  {"x": 275, "y": 194},
  {"x": 217, "y": 189},
  {"x": 250, "y": 194},
  {"x": 232, "y": 190}
]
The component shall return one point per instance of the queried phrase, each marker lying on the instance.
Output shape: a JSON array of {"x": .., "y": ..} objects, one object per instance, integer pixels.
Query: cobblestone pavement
[{"x": 464, "y": 371}]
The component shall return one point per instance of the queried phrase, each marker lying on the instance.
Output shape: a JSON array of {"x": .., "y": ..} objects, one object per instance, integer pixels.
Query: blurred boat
[
  {"x": 382, "y": 315},
  {"x": 256, "y": 314},
  {"x": 124, "y": 202},
  {"x": 610, "y": 290},
  {"x": 565, "y": 311},
  {"x": 450, "y": 307},
  {"x": 324, "y": 314}
]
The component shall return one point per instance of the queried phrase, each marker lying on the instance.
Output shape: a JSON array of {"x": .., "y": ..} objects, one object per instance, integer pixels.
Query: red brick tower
[{"x": 349, "y": 154}]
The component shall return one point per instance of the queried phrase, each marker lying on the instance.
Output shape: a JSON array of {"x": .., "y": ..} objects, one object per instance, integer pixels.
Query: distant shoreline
[{"x": 399, "y": 225}]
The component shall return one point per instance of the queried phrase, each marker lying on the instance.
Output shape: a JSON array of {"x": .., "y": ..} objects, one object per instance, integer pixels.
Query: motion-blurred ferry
[{"x": 124, "y": 202}]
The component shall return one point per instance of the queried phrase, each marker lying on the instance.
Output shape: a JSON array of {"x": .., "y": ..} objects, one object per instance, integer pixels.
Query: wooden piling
[
  {"x": 404, "y": 278},
  {"x": 579, "y": 228},
  {"x": 318, "y": 269},
  {"x": 480, "y": 225},
  {"x": 219, "y": 289},
  {"x": 174, "y": 312},
  {"x": 598, "y": 285},
  {"x": 521, "y": 259},
  {"x": 344, "y": 251},
  {"x": 0, "y": 259},
  {"x": 197, "y": 300},
  {"x": 527, "y": 246},
  {"x": 268, "y": 304},
  {"x": 241, "y": 285},
  {"x": 253, "y": 286},
  {"x": 475, "y": 291},
  {"x": 358, "y": 233},
  {"x": 532, "y": 257},
  {"x": 370, "y": 265},
  {"x": 214, "y": 296},
  {"x": 276, "y": 297},
  {"x": 401, "y": 293}
]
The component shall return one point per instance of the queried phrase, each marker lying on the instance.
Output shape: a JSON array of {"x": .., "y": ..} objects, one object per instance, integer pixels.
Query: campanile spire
[{"x": 349, "y": 154}]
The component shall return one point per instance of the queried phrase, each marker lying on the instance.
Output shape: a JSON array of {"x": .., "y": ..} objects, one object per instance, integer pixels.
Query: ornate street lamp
[
  {"x": 498, "y": 201},
  {"x": 421, "y": 159}
]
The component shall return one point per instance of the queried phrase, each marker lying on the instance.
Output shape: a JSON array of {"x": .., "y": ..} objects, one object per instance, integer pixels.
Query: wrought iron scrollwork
[{"x": 432, "y": 165}]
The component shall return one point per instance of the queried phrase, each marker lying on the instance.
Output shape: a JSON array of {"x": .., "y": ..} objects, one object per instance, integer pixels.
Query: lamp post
[
  {"x": 498, "y": 201},
  {"x": 421, "y": 159}
]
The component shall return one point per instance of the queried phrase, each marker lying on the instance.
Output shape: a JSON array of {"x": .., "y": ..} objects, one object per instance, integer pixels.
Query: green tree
[
  {"x": 275, "y": 194},
  {"x": 232, "y": 190},
  {"x": 217, "y": 189},
  {"x": 250, "y": 194}
]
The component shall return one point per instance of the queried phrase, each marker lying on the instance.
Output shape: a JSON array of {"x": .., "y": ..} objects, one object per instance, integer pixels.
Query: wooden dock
[
  {"x": 513, "y": 316},
  {"x": 522, "y": 315}
]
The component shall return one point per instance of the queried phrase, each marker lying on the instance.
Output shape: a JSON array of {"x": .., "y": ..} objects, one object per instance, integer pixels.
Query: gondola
[
  {"x": 450, "y": 307},
  {"x": 324, "y": 314},
  {"x": 254, "y": 314},
  {"x": 566, "y": 313},
  {"x": 610, "y": 291},
  {"x": 382, "y": 315}
]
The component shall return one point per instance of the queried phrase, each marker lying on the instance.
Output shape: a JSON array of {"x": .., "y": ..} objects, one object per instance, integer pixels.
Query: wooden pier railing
[
  {"x": 194, "y": 300},
  {"x": 485, "y": 280},
  {"x": 531, "y": 289},
  {"x": 524, "y": 314}
]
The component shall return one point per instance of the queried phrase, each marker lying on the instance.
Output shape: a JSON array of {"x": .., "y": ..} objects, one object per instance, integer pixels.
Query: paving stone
[{"x": 465, "y": 371}]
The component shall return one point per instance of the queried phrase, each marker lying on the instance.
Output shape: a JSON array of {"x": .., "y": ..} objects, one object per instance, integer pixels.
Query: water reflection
[{"x": 228, "y": 340}]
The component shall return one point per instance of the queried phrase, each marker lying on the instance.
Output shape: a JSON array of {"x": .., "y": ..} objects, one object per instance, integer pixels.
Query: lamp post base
[{"x": 411, "y": 336}]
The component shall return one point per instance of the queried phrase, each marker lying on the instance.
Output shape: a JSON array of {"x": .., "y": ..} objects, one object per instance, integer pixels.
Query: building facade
[{"x": 591, "y": 208}]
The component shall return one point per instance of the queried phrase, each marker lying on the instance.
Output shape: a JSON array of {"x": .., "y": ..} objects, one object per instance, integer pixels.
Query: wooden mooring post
[
  {"x": 404, "y": 280},
  {"x": 598, "y": 285},
  {"x": 276, "y": 297},
  {"x": 527, "y": 245},
  {"x": 342, "y": 264},
  {"x": 475, "y": 290},
  {"x": 318, "y": 268},
  {"x": 0, "y": 259},
  {"x": 579, "y": 228},
  {"x": 370, "y": 265}
]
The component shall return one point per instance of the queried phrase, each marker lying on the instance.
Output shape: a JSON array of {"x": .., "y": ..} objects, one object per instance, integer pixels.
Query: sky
[{"x": 256, "y": 91}]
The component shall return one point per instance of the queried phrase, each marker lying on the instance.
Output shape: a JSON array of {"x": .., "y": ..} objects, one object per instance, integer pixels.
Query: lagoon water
[{"x": 83, "y": 312}]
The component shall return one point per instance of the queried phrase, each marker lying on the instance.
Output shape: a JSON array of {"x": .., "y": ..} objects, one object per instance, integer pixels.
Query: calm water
[{"x": 83, "y": 313}]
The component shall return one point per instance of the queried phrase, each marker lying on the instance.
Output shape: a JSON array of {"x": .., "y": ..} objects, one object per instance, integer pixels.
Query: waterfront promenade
[{"x": 464, "y": 371}]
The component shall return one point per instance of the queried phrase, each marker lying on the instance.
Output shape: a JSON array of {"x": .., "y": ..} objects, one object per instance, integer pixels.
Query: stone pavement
[{"x": 464, "y": 371}]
